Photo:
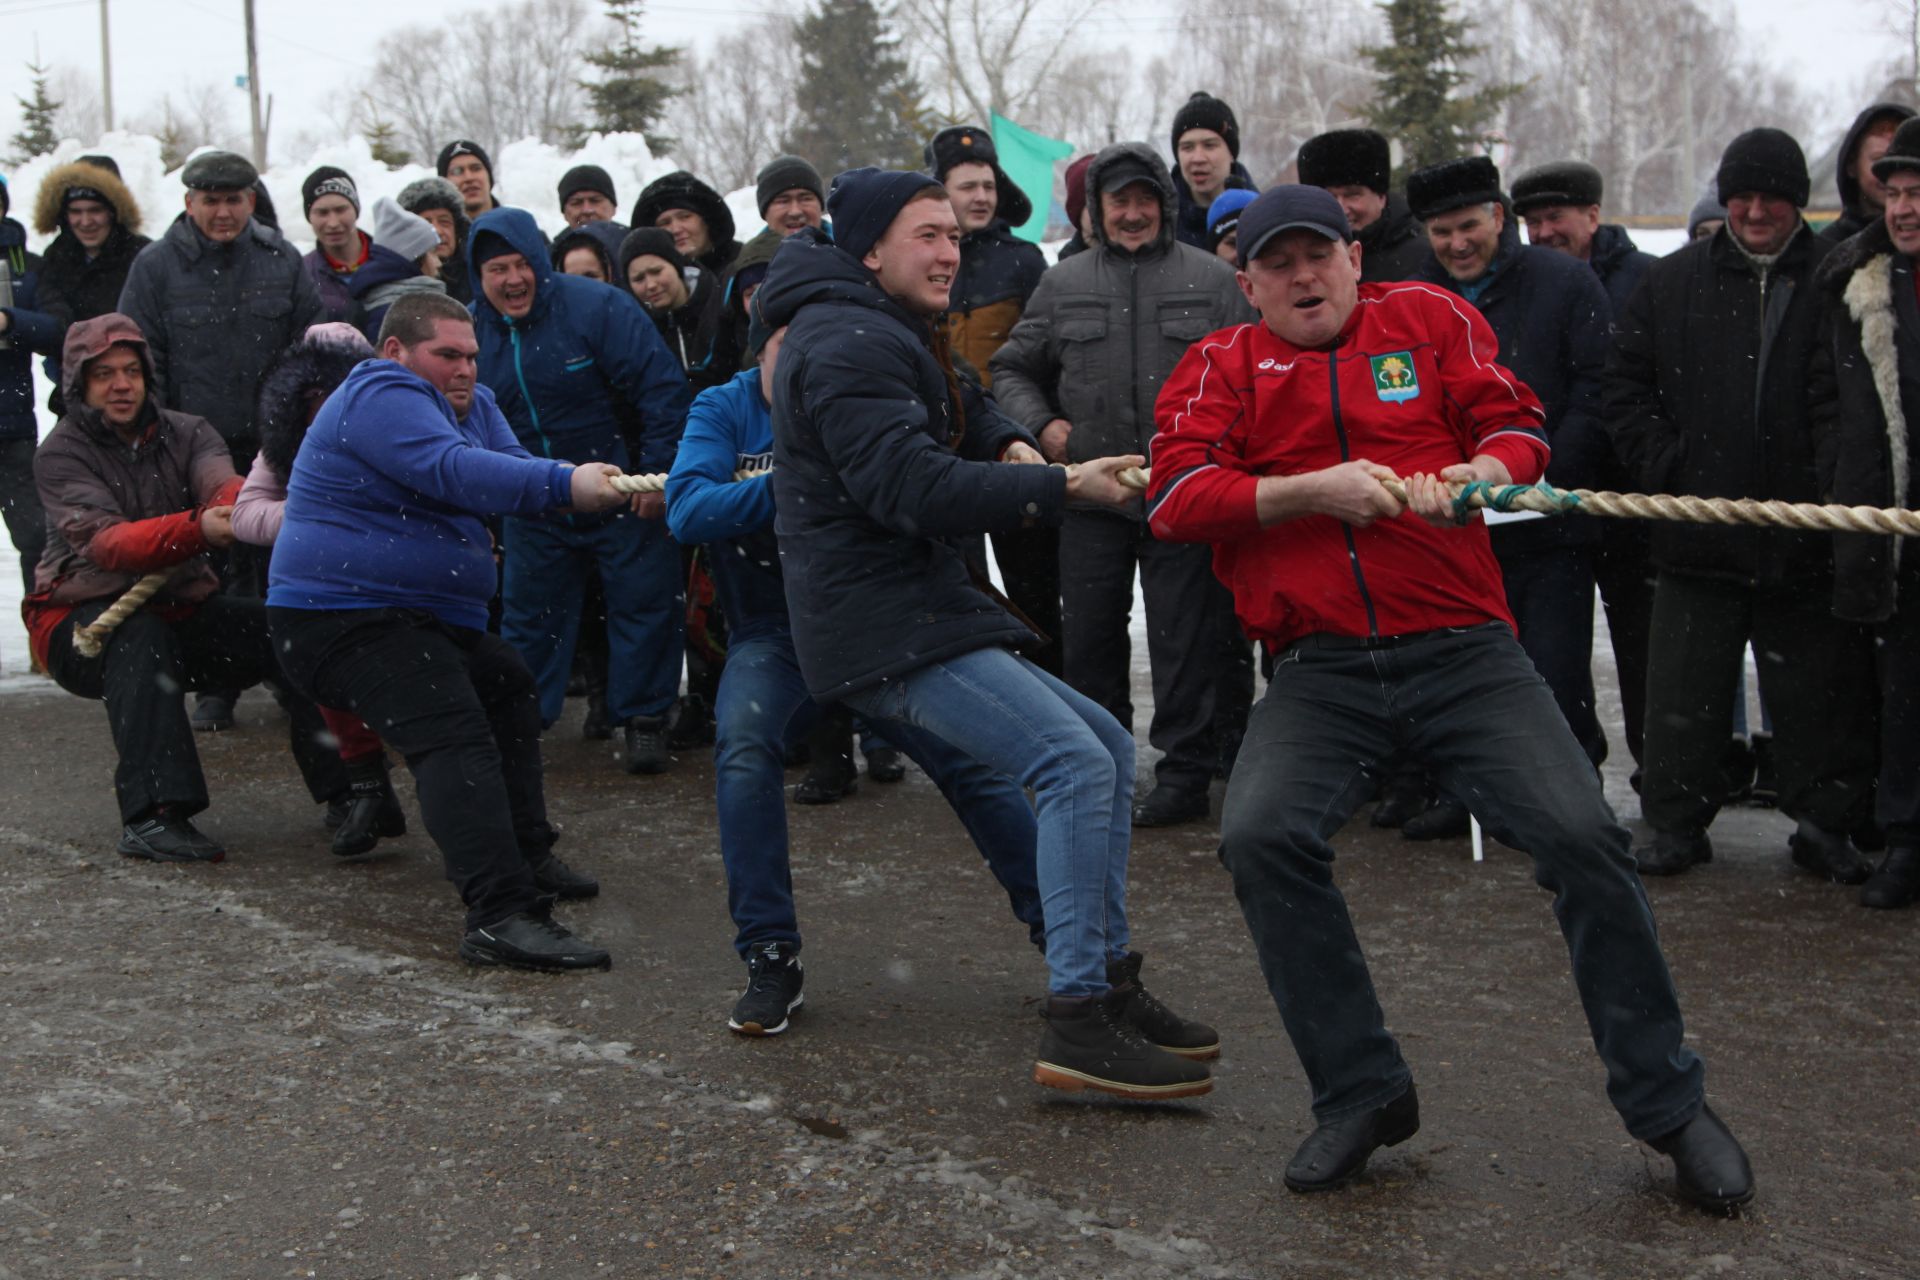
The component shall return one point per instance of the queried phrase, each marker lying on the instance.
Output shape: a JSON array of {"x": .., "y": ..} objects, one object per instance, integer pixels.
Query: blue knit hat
[
  {"x": 1223, "y": 215},
  {"x": 864, "y": 202}
]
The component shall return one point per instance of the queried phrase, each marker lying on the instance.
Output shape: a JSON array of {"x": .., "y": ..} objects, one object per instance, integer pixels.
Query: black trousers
[
  {"x": 1624, "y": 572},
  {"x": 1202, "y": 667},
  {"x": 1029, "y": 561},
  {"x": 1816, "y": 676},
  {"x": 461, "y": 708},
  {"x": 1897, "y": 649},
  {"x": 1550, "y": 592},
  {"x": 147, "y": 668},
  {"x": 20, "y": 506}
]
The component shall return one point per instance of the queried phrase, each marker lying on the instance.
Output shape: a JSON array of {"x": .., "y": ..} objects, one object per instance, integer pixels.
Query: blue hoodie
[
  {"x": 729, "y": 429},
  {"x": 386, "y": 494},
  {"x": 557, "y": 370}
]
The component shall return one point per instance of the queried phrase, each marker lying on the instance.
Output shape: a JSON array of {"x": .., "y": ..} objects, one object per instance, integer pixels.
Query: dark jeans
[
  {"x": 143, "y": 675},
  {"x": 1816, "y": 679},
  {"x": 1029, "y": 561},
  {"x": 1897, "y": 646},
  {"x": 1550, "y": 592},
  {"x": 763, "y": 703},
  {"x": 547, "y": 562},
  {"x": 20, "y": 506},
  {"x": 1624, "y": 572},
  {"x": 1202, "y": 666},
  {"x": 1469, "y": 706},
  {"x": 460, "y": 707}
]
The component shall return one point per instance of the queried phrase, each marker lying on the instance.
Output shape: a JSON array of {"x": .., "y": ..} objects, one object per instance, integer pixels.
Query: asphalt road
[{"x": 279, "y": 1067}]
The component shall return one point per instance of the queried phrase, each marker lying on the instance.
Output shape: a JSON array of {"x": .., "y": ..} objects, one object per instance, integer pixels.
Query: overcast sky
[{"x": 1828, "y": 44}]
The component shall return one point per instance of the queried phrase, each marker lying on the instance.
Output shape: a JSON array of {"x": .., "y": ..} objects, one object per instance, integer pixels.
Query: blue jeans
[
  {"x": 1024, "y": 724},
  {"x": 546, "y": 572},
  {"x": 763, "y": 703},
  {"x": 1468, "y": 705}
]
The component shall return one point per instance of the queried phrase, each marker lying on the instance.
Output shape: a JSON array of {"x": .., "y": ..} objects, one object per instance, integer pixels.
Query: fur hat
[
  {"x": 1765, "y": 160},
  {"x": 1204, "y": 111},
  {"x": 1347, "y": 158},
  {"x": 295, "y": 383},
  {"x": 82, "y": 180},
  {"x": 436, "y": 193},
  {"x": 1568, "y": 182},
  {"x": 970, "y": 144},
  {"x": 1452, "y": 184},
  {"x": 1903, "y": 152}
]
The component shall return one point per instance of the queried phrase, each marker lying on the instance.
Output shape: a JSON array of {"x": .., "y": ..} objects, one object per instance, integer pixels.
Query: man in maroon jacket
[
  {"x": 1392, "y": 634},
  {"x": 131, "y": 489}
]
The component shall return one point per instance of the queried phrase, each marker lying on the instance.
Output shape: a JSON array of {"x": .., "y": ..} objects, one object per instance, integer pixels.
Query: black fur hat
[
  {"x": 1347, "y": 158},
  {"x": 1452, "y": 184},
  {"x": 970, "y": 144},
  {"x": 295, "y": 384},
  {"x": 1569, "y": 182}
]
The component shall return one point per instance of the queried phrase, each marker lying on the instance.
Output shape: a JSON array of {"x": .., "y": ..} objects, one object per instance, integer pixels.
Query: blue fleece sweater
[
  {"x": 386, "y": 495},
  {"x": 728, "y": 429}
]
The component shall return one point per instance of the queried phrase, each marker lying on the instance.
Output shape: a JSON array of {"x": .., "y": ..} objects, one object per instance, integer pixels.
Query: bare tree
[
  {"x": 736, "y": 102},
  {"x": 78, "y": 93},
  {"x": 199, "y": 114},
  {"x": 984, "y": 56}
]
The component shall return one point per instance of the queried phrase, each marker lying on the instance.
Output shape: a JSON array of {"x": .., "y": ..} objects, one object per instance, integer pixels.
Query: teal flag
[{"x": 1028, "y": 158}]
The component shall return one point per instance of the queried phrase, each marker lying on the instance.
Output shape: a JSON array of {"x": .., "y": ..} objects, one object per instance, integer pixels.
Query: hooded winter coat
[
  {"x": 880, "y": 476},
  {"x": 117, "y": 511},
  {"x": 1105, "y": 328},
  {"x": 74, "y": 287},
  {"x": 215, "y": 315},
  {"x": 384, "y": 280},
  {"x": 1855, "y": 213},
  {"x": 1395, "y": 247},
  {"x": 560, "y": 371},
  {"x": 1554, "y": 323},
  {"x": 998, "y": 273},
  {"x": 681, "y": 190},
  {"x": 1866, "y": 389},
  {"x": 588, "y": 238},
  {"x": 1190, "y": 225},
  {"x": 1707, "y": 394}
]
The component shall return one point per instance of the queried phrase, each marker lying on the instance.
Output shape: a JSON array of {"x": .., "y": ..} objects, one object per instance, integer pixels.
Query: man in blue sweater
[
  {"x": 378, "y": 604},
  {"x": 571, "y": 363},
  {"x": 763, "y": 702}
]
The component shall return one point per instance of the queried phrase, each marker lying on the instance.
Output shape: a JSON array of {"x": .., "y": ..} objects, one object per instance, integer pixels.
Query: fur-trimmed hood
[
  {"x": 1860, "y": 272},
  {"x": 1139, "y": 153},
  {"x": 297, "y": 382},
  {"x": 47, "y": 205}
]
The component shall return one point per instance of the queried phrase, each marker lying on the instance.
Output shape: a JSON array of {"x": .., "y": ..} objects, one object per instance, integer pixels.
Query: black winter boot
[
  {"x": 372, "y": 809},
  {"x": 1897, "y": 883},
  {"x": 1090, "y": 1044},
  {"x": 1159, "y": 1024}
]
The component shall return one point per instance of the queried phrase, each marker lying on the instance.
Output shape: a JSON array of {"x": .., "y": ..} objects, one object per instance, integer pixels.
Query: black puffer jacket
[
  {"x": 1707, "y": 394},
  {"x": 1866, "y": 390},
  {"x": 1395, "y": 247},
  {"x": 1552, "y": 319},
  {"x": 874, "y": 496},
  {"x": 1854, "y": 213}
]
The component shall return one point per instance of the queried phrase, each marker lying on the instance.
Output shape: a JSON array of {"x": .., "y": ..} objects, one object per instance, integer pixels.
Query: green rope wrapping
[{"x": 1484, "y": 494}]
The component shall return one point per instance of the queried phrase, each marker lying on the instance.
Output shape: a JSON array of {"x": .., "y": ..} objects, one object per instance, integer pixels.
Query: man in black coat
[
  {"x": 1551, "y": 317},
  {"x": 1861, "y": 196},
  {"x": 1866, "y": 393},
  {"x": 1356, "y": 166},
  {"x": 1707, "y": 394},
  {"x": 1560, "y": 203}
]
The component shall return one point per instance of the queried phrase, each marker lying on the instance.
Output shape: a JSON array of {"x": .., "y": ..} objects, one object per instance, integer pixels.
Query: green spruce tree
[
  {"x": 858, "y": 100},
  {"x": 1418, "y": 101},
  {"x": 628, "y": 97},
  {"x": 383, "y": 139},
  {"x": 36, "y": 136}
]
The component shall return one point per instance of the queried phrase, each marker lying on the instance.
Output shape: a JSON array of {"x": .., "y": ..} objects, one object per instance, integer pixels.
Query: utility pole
[
  {"x": 1689, "y": 187},
  {"x": 253, "y": 93},
  {"x": 106, "y": 72}
]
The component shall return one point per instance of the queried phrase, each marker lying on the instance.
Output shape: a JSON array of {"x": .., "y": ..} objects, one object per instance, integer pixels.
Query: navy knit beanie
[{"x": 864, "y": 202}]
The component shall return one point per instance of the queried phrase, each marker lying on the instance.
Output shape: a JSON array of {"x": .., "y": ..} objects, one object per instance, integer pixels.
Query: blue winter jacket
[
  {"x": 29, "y": 332},
  {"x": 730, "y": 429},
  {"x": 385, "y": 500},
  {"x": 875, "y": 494},
  {"x": 557, "y": 371}
]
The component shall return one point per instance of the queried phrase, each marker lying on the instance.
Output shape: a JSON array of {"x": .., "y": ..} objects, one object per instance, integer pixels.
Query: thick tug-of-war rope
[{"x": 1474, "y": 496}]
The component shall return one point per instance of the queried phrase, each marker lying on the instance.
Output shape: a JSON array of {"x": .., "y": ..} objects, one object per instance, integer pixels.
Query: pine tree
[
  {"x": 626, "y": 99},
  {"x": 858, "y": 100},
  {"x": 1421, "y": 69},
  {"x": 36, "y": 136},
  {"x": 383, "y": 140}
]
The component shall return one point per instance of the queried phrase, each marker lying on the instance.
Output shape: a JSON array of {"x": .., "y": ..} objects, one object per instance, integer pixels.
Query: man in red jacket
[
  {"x": 131, "y": 488},
  {"x": 1391, "y": 634}
]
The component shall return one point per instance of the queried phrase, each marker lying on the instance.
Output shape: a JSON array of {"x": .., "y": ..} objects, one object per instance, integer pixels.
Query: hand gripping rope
[{"x": 1474, "y": 496}]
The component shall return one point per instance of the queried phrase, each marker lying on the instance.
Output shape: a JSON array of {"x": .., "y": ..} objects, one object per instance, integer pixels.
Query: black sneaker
[
  {"x": 213, "y": 713},
  {"x": 884, "y": 764},
  {"x": 647, "y": 744},
  {"x": 562, "y": 881},
  {"x": 773, "y": 991},
  {"x": 1168, "y": 806},
  {"x": 1090, "y": 1044},
  {"x": 1159, "y": 1024},
  {"x": 373, "y": 811},
  {"x": 532, "y": 940},
  {"x": 166, "y": 837}
]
